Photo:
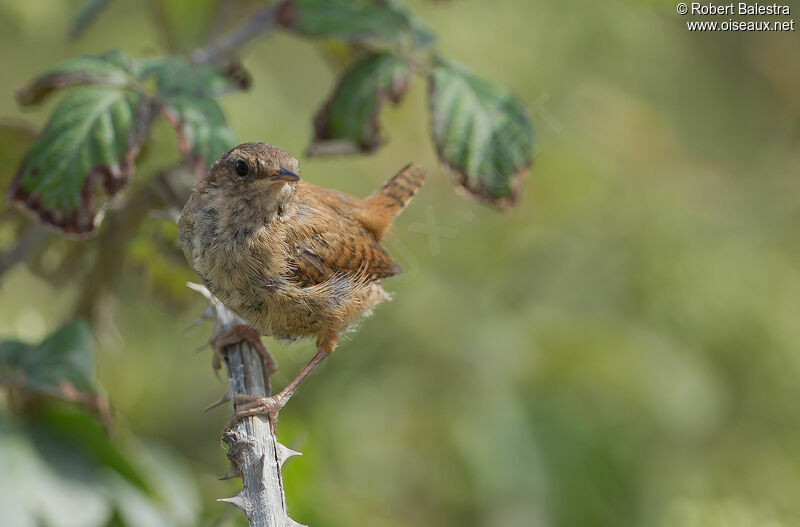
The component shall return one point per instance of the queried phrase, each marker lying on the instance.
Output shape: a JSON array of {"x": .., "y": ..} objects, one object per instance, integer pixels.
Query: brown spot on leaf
[
  {"x": 465, "y": 188},
  {"x": 81, "y": 221},
  {"x": 239, "y": 75},
  {"x": 106, "y": 179},
  {"x": 37, "y": 91}
]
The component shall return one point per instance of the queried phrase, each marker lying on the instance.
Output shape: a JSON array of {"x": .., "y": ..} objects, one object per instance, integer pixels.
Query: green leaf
[
  {"x": 63, "y": 357},
  {"x": 421, "y": 35},
  {"x": 89, "y": 143},
  {"x": 175, "y": 74},
  {"x": 111, "y": 69},
  {"x": 87, "y": 14},
  {"x": 80, "y": 433},
  {"x": 30, "y": 466},
  {"x": 61, "y": 469},
  {"x": 203, "y": 134},
  {"x": 387, "y": 22},
  {"x": 186, "y": 91},
  {"x": 348, "y": 122},
  {"x": 482, "y": 132}
]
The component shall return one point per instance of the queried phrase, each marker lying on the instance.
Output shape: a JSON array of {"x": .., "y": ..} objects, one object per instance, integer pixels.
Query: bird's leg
[
  {"x": 250, "y": 405},
  {"x": 239, "y": 333}
]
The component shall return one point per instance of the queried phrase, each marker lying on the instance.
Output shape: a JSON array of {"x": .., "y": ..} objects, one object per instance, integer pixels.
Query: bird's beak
[{"x": 284, "y": 175}]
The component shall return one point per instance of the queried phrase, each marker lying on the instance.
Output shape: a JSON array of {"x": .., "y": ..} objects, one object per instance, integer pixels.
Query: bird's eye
[{"x": 241, "y": 168}]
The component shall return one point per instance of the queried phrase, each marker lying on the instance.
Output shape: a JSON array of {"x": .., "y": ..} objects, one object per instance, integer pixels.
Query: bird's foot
[
  {"x": 250, "y": 405},
  {"x": 239, "y": 333}
]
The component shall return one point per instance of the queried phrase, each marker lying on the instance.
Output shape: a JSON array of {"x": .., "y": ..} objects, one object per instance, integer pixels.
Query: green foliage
[
  {"x": 111, "y": 69},
  {"x": 348, "y": 122},
  {"x": 62, "y": 469},
  {"x": 87, "y": 150},
  {"x": 95, "y": 133},
  {"x": 621, "y": 350},
  {"x": 89, "y": 144},
  {"x": 483, "y": 134},
  {"x": 202, "y": 132},
  {"x": 186, "y": 94},
  {"x": 63, "y": 357},
  {"x": 355, "y": 21},
  {"x": 174, "y": 74},
  {"x": 87, "y": 153},
  {"x": 60, "y": 367}
]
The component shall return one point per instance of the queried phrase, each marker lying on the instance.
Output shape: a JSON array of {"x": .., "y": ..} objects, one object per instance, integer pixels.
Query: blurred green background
[{"x": 619, "y": 350}]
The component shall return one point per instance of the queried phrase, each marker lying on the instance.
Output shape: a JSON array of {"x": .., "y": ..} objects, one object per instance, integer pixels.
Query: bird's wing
[{"x": 341, "y": 247}]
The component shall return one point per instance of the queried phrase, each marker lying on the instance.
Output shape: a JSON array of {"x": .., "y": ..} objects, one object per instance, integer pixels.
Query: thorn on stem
[
  {"x": 232, "y": 472},
  {"x": 285, "y": 453},
  {"x": 222, "y": 400},
  {"x": 207, "y": 314},
  {"x": 240, "y": 501}
]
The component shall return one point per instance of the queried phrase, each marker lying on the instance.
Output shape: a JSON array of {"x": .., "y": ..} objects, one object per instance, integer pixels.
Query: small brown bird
[{"x": 292, "y": 259}]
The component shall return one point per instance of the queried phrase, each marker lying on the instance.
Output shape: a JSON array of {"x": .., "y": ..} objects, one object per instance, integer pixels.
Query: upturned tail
[{"x": 382, "y": 207}]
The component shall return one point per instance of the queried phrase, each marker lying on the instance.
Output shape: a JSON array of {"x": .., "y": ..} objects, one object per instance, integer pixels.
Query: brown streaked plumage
[{"x": 292, "y": 259}]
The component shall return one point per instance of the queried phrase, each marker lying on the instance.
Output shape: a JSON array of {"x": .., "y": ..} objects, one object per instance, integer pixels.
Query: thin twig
[
  {"x": 260, "y": 23},
  {"x": 218, "y": 24},
  {"x": 254, "y": 451}
]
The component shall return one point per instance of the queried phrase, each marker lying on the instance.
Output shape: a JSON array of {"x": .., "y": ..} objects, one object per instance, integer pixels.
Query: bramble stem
[
  {"x": 254, "y": 451},
  {"x": 260, "y": 23}
]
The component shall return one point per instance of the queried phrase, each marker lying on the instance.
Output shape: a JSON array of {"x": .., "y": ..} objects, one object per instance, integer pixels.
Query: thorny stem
[
  {"x": 254, "y": 451},
  {"x": 260, "y": 23}
]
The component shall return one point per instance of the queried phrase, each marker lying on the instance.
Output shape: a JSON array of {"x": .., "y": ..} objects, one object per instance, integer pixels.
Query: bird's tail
[{"x": 384, "y": 205}]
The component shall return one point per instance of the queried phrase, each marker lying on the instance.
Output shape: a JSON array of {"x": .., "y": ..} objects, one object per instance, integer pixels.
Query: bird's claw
[
  {"x": 236, "y": 334},
  {"x": 250, "y": 405}
]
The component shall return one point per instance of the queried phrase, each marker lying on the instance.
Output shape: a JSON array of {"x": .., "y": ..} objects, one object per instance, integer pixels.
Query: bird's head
[{"x": 256, "y": 170}]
